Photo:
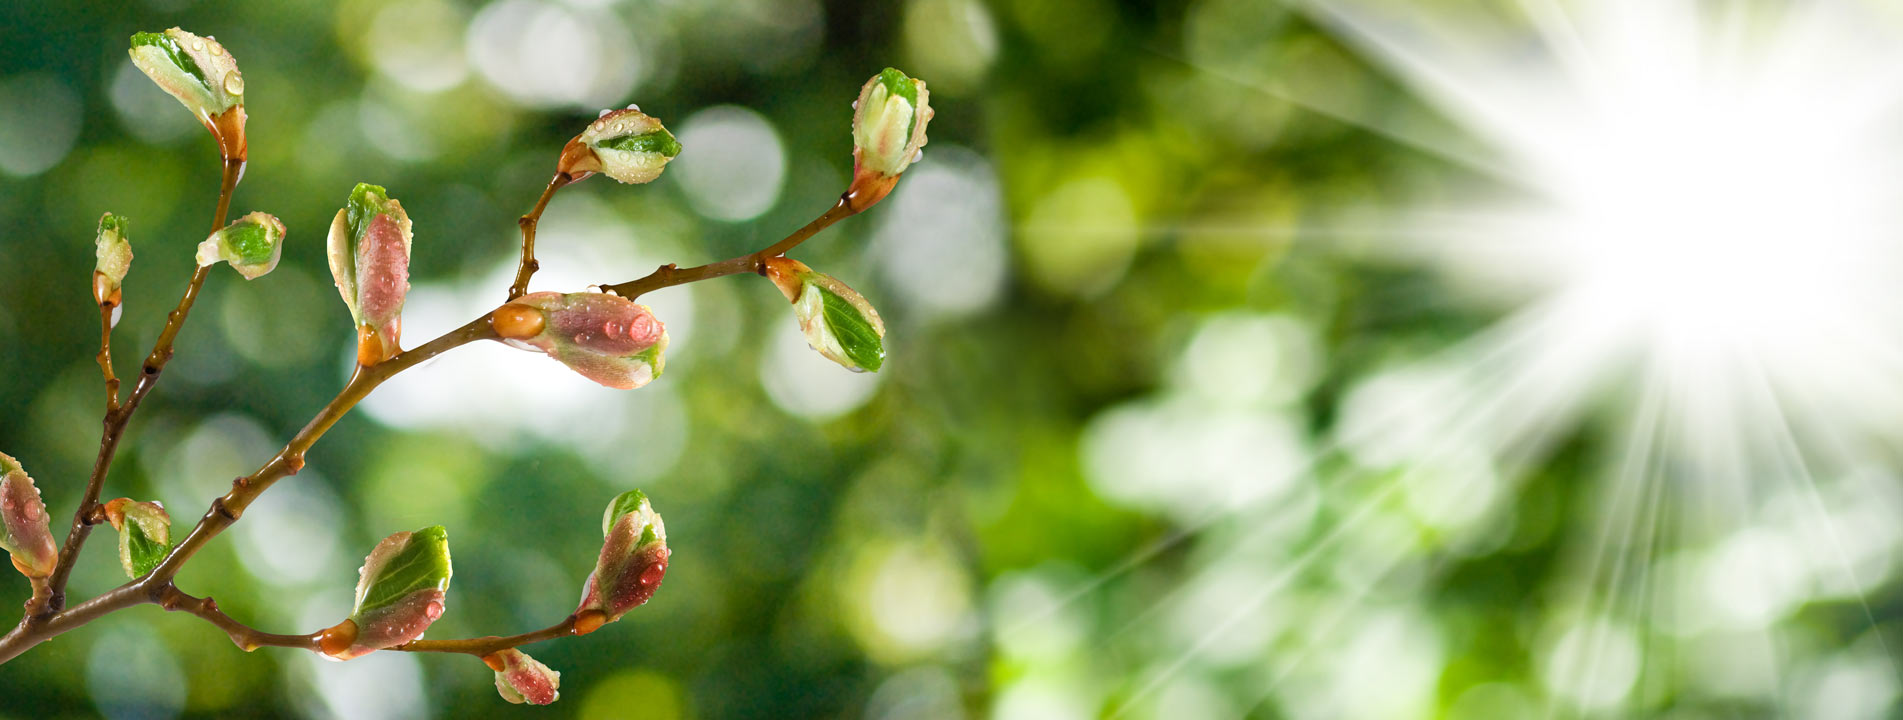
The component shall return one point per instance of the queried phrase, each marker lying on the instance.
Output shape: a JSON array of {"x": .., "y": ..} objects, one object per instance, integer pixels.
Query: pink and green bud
[
  {"x": 369, "y": 250},
  {"x": 888, "y": 130},
  {"x": 633, "y": 560},
  {"x": 202, "y": 76},
  {"x": 145, "y": 534},
  {"x": 113, "y": 253},
  {"x": 400, "y": 591},
  {"x": 251, "y": 245},
  {"x": 523, "y": 679},
  {"x": 627, "y": 145},
  {"x": 28, "y": 537},
  {"x": 607, "y": 338},
  {"x": 838, "y": 321}
]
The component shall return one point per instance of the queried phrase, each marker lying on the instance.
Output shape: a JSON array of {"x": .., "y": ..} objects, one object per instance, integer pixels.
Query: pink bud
[
  {"x": 28, "y": 538},
  {"x": 633, "y": 560},
  {"x": 523, "y": 679},
  {"x": 606, "y": 338}
]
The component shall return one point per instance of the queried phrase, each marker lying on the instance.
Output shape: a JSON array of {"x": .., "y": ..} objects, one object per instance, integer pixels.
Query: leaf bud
[
  {"x": 369, "y": 249},
  {"x": 145, "y": 534},
  {"x": 202, "y": 76},
  {"x": 400, "y": 591},
  {"x": 28, "y": 537},
  {"x": 838, "y": 321},
  {"x": 607, "y": 338},
  {"x": 888, "y": 130},
  {"x": 633, "y": 560},
  {"x": 523, "y": 679},
  {"x": 627, "y": 145},
  {"x": 113, "y": 257},
  {"x": 251, "y": 245}
]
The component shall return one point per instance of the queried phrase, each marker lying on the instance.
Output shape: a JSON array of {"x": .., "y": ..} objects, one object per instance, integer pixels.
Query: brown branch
[
  {"x": 155, "y": 587},
  {"x": 754, "y": 262},
  {"x": 528, "y": 264},
  {"x": 114, "y": 423},
  {"x": 244, "y": 636},
  {"x": 481, "y": 646},
  {"x": 227, "y": 509}
]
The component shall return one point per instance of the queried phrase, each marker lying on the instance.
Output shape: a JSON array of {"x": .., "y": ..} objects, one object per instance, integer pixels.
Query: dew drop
[
  {"x": 234, "y": 83},
  {"x": 198, "y": 46},
  {"x": 634, "y": 107},
  {"x": 917, "y": 156},
  {"x": 603, "y": 113}
]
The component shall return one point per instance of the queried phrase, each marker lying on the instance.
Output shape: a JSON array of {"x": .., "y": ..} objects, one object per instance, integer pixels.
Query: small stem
[
  {"x": 114, "y": 423},
  {"x": 247, "y": 638},
  {"x": 485, "y": 645},
  {"x": 754, "y": 262},
  {"x": 105, "y": 355},
  {"x": 529, "y": 265}
]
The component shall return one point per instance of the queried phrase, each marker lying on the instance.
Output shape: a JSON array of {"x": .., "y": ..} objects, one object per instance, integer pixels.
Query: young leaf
[
  {"x": 400, "y": 591},
  {"x": 251, "y": 245},
  {"x": 837, "y": 321},
  {"x": 627, "y": 145},
  {"x": 145, "y": 534}
]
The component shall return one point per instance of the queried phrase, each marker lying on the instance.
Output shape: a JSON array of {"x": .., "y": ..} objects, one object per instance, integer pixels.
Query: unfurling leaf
[
  {"x": 202, "y": 76},
  {"x": 113, "y": 257},
  {"x": 523, "y": 679},
  {"x": 838, "y": 321},
  {"x": 627, "y": 145},
  {"x": 251, "y": 245},
  {"x": 145, "y": 534},
  {"x": 369, "y": 249},
  {"x": 633, "y": 560},
  {"x": 28, "y": 537},
  {"x": 400, "y": 591},
  {"x": 606, "y": 338},
  {"x": 888, "y": 130}
]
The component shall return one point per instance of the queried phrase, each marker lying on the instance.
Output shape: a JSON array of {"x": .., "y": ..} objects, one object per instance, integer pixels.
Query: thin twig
[
  {"x": 754, "y": 262},
  {"x": 116, "y": 418},
  {"x": 528, "y": 265},
  {"x": 105, "y": 354},
  {"x": 244, "y": 636},
  {"x": 481, "y": 646}
]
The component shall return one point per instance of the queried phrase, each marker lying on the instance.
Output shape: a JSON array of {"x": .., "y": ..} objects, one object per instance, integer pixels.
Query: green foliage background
[{"x": 1128, "y": 191}]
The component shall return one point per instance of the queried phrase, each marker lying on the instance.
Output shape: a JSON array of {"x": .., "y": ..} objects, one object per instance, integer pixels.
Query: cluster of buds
[
  {"x": 838, "y": 321},
  {"x": 627, "y": 145},
  {"x": 400, "y": 591},
  {"x": 145, "y": 534},
  {"x": 607, "y": 338},
  {"x": 28, "y": 537},
  {"x": 888, "y": 132},
  {"x": 113, "y": 254},
  {"x": 369, "y": 248},
  {"x": 251, "y": 245},
  {"x": 202, "y": 76},
  {"x": 633, "y": 560}
]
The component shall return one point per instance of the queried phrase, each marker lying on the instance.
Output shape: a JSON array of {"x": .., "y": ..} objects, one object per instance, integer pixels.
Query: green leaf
[
  {"x": 143, "y": 551},
  {"x": 623, "y": 504},
  {"x": 173, "y": 51},
  {"x": 898, "y": 83},
  {"x": 251, "y": 243},
  {"x": 660, "y": 141},
  {"x": 420, "y": 563},
  {"x": 853, "y": 330},
  {"x": 365, "y": 202}
]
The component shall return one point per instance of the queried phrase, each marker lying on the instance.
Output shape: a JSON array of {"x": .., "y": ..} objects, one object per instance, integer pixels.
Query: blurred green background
[{"x": 1102, "y": 473}]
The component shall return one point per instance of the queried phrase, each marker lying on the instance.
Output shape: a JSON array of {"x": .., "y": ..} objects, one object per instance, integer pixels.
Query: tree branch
[
  {"x": 754, "y": 262},
  {"x": 244, "y": 636},
  {"x": 116, "y": 418},
  {"x": 485, "y": 645}
]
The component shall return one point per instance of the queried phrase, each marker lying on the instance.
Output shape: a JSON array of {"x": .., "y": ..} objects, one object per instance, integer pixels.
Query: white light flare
[{"x": 1710, "y": 189}]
